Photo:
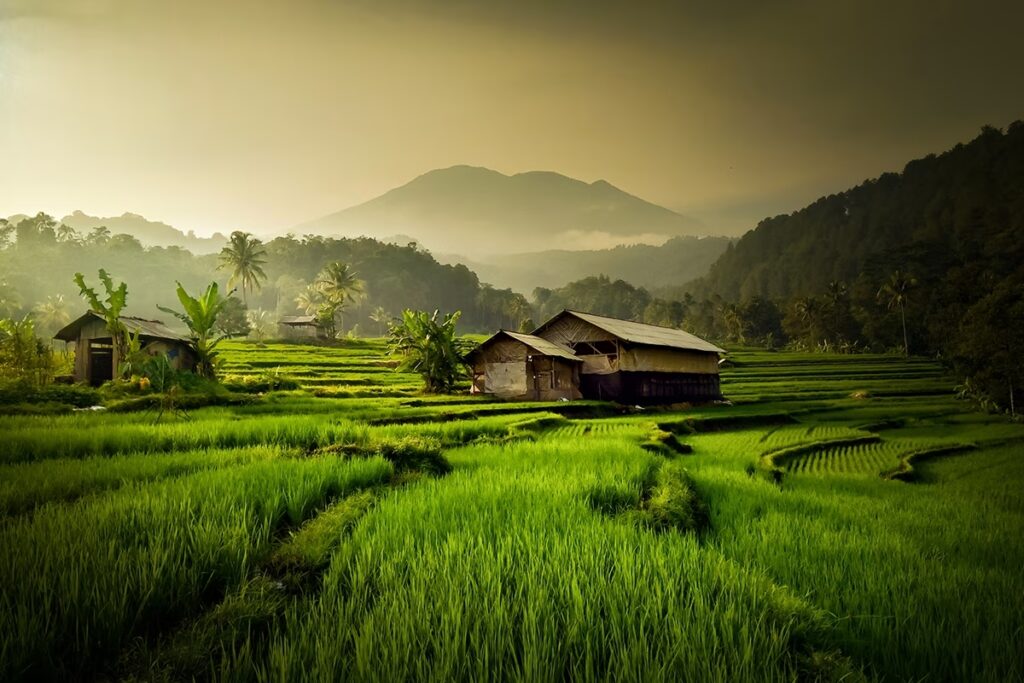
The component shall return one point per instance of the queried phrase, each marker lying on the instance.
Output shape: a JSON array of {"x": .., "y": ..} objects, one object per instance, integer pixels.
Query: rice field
[{"x": 354, "y": 529}]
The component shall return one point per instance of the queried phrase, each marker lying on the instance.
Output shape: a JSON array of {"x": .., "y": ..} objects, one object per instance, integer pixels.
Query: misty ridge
[{"x": 945, "y": 233}]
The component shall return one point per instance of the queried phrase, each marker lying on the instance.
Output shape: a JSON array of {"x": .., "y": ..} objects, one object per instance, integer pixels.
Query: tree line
[{"x": 287, "y": 275}]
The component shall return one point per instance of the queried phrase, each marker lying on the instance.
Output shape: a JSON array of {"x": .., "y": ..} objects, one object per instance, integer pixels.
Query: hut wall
[
  {"x": 581, "y": 336},
  {"x": 509, "y": 369},
  {"x": 554, "y": 379},
  {"x": 178, "y": 355},
  {"x": 501, "y": 370},
  {"x": 94, "y": 330},
  {"x": 655, "y": 359},
  {"x": 298, "y": 331},
  {"x": 651, "y": 387},
  {"x": 570, "y": 330}
]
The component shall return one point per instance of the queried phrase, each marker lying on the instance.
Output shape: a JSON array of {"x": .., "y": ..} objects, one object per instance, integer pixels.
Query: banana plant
[
  {"x": 430, "y": 347},
  {"x": 110, "y": 308},
  {"x": 200, "y": 317}
]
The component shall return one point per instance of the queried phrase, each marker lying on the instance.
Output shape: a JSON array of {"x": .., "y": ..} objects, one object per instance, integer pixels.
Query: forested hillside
[
  {"x": 675, "y": 262},
  {"x": 940, "y": 244},
  {"x": 948, "y": 219}
]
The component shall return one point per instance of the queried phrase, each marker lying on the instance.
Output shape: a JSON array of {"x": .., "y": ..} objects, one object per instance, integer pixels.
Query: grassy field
[{"x": 844, "y": 519}]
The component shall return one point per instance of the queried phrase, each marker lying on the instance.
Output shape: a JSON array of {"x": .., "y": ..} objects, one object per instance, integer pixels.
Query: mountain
[
  {"x": 472, "y": 210},
  {"x": 149, "y": 233},
  {"x": 679, "y": 260},
  {"x": 944, "y": 219}
]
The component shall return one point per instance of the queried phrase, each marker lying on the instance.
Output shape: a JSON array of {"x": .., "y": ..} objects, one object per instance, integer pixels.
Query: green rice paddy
[{"x": 844, "y": 519}]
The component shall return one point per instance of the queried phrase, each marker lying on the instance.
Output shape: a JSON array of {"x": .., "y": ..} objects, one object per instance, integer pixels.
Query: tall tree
[
  {"x": 338, "y": 284},
  {"x": 6, "y": 231},
  {"x": 382, "y": 317},
  {"x": 65, "y": 233},
  {"x": 52, "y": 314},
  {"x": 309, "y": 299},
  {"x": 894, "y": 295},
  {"x": 10, "y": 300},
  {"x": 260, "y": 324},
  {"x": 243, "y": 256},
  {"x": 99, "y": 235}
]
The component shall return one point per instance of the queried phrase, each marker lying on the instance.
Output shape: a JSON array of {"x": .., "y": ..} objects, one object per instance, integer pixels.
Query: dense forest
[
  {"x": 940, "y": 244},
  {"x": 39, "y": 257}
]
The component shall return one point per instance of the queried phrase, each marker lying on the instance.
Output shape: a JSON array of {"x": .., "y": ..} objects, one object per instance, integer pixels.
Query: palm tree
[
  {"x": 519, "y": 311},
  {"x": 309, "y": 299},
  {"x": 735, "y": 325},
  {"x": 260, "y": 324},
  {"x": 99, "y": 235},
  {"x": 835, "y": 296},
  {"x": 808, "y": 311},
  {"x": 65, "y": 233},
  {"x": 243, "y": 256},
  {"x": 52, "y": 314},
  {"x": 6, "y": 230},
  {"x": 894, "y": 294},
  {"x": 381, "y": 317},
  {"x": 339, "y": 286}
]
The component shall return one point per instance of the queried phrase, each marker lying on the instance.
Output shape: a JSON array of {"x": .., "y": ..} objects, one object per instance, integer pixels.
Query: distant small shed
[
  {"x": 298, "y": 327},
  {"x": 524, "y": 367},
  {"x": 96, "y": 357}
]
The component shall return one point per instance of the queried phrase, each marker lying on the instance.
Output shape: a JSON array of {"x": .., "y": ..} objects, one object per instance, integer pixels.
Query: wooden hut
[
  {"x": 634, "y": 362},
  {"x": 298, "y": 327},
  {"x": 96, "y": 357},
  {"x": 524, "y": 367}
]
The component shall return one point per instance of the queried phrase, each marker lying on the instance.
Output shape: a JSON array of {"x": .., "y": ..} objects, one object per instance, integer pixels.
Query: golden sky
[{"x": 259, "y": 115}]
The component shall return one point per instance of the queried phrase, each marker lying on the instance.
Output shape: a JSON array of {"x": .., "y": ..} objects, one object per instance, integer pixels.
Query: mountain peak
[{"x": 473, "y": 209}]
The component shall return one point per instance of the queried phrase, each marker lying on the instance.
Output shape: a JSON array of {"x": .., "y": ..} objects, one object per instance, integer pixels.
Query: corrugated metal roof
[
  {"x": 153, "y": 329},
  {"x": 641, "y": 333},
  {"x": 298, "y": 320},
  {"x": 544, "y": 346},
  {"x": 538, "y": 344}
]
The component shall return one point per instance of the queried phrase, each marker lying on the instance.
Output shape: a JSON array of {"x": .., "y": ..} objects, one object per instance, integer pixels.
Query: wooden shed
[
  {"x": 524, "y": 367},
  {"x": 298, "y": 327},
  {"x": 96, "y": 357},
  {"x": 634, "y": 362}
]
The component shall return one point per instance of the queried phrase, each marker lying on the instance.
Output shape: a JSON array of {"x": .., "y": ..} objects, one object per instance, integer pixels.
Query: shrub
[{"x": 74, "y": 395}]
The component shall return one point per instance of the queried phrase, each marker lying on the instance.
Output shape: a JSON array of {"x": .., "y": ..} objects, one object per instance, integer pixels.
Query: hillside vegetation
[
  {"x": 678, "y": 260},
  {"x": 955, "y": 220}
]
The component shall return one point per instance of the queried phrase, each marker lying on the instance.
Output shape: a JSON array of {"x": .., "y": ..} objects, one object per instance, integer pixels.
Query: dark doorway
[{"x": 101, "y": 363}]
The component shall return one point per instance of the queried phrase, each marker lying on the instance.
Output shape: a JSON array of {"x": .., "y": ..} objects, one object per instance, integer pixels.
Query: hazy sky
[{"x": 260, "y": 115}]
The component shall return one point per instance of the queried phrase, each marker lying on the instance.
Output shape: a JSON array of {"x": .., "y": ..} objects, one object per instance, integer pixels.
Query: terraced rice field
[{"x": 354, "y": 529}]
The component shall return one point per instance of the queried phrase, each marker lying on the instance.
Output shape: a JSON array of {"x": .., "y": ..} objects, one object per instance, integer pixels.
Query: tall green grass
[
  {"x": 921, "y": 579},
  {"x": 504, "y": 570},
  {"x": 86, "y": 577},
  {"x": 26, "y": 486}
]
